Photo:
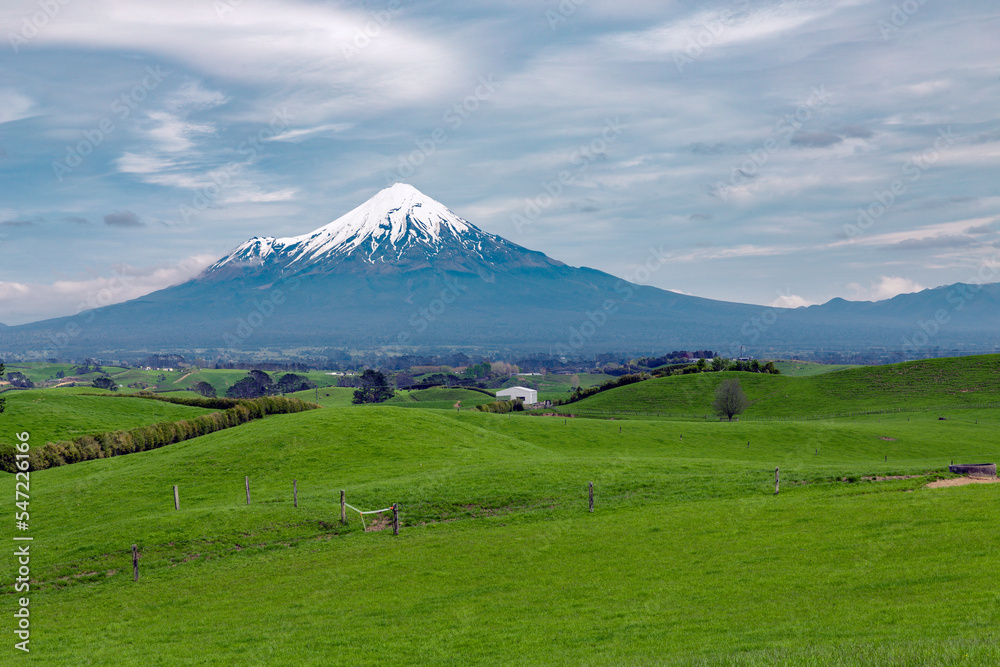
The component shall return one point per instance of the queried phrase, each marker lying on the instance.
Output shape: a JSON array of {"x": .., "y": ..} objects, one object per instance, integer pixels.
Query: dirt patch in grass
[
  {"x": 380, "y": 523},
  {"x": 962, "y": 481},
  {"x": 885, "y": 437}
]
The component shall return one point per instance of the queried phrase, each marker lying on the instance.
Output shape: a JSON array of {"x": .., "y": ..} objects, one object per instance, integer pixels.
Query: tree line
[{"x": 116, "y": 443}]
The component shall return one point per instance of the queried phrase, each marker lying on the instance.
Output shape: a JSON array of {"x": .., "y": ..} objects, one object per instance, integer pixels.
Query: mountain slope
[
  {"x": 403, "y": 271},
  {"x": 399, "y": 230}
]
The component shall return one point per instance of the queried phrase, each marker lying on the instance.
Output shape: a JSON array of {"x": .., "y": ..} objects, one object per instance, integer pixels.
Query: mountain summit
[
  {"x": 402, "y": 272},
  {"x": 398, "y": 230}
]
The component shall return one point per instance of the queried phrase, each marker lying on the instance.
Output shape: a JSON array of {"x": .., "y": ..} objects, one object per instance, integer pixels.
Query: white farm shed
[{"x": 529, "y": 396}]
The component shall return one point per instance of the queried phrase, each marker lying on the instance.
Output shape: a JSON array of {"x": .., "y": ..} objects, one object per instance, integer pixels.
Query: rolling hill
[
  {"x": 688, "y": 557},
  {"x": 959, "y": 381}
]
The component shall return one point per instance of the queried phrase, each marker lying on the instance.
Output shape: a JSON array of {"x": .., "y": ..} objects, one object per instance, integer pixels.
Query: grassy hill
[
  {"x": 329, "y": 397},
  {"x": 62, "y": 414},
  {"x": 797, "y": 368},
  {"x": 441, "y": 398},
  {"x": 919, "y": 384},
  {"x": 689, "y": 558}
]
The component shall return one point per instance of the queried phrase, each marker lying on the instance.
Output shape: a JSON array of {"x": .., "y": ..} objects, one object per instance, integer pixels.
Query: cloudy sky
[{"x": 781, "y": 152}]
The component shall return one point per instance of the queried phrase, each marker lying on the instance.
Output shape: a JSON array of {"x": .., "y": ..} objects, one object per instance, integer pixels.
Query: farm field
[
  {"x": 440, "y": 398},
  {"x": 552, "y": 386},
  {"x": 63, "y": 414},
  {"x": 329, "y": 397},
  {"x": 963, "y": 381},
  {"x": 153, "y": 380},
  {"x": 796, "y": 368},
  {"x": 688, "y": 558}
]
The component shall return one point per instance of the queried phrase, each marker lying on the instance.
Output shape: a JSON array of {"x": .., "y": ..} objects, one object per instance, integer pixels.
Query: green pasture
[
  {"x": 803, "y": 368},
  {"x": 63, "y": 414},
  {"x": 328, "y": 397},
  {"x": 440, "y": 398},
  {"x": 963, "y": 381},
  {"x": 688, "y": 559}
]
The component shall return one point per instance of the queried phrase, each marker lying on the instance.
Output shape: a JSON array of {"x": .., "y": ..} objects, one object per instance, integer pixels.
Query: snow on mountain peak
[
  {"x": 392, "y": 215},
  {"x": 395, "y": 221}
]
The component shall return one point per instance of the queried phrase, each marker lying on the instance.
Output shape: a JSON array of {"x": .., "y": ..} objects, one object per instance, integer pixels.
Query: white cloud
[
  {"x": 193, "y": 95},
  {"x": 294, "y": 135},
  {"x": 302, "y": 46},
  {"x": 29, "y": 302},
  {"x": 747, "y": 250},
  {"x": 131, "y": 163},
  {"x": 790, "y": 301},
  {"x": 885, "y": 287},
  {"x": 173, "y": 134},
  {"x": 922, "y": 233},
  {"x": 14, "y": 106},
  {"x": 694, "y": 35}
]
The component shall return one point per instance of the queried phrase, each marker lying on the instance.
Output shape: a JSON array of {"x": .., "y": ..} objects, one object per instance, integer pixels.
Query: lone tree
[
  {"x": 374, "y": 388},
  {"x": 730, "y": 399},
  {"x": 204, "y": 388}
]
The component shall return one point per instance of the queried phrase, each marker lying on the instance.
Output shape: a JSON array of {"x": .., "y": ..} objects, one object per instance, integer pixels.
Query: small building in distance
[{"x": 529, "y": 396}]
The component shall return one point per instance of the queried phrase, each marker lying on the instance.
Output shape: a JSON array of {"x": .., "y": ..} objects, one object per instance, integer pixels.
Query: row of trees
[
  {"x": 258, "y": 383},
  {"x": 116, "y": 443},
  {"x": 718, "y": 364}
]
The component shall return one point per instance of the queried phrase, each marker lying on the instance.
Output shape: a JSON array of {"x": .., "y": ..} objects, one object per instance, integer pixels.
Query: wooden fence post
[
  {"x": 775, "y": 481},
  {"x": 247, "y": 482},
  {"x": 177, "y": 498},
  {"x": 343, "y": 507},
  {"x": 135, "y": 562},
  {"x": 591, "y": 496},
  {"x": 295, "y": 492},
  {"x": 395, "y": 518}
]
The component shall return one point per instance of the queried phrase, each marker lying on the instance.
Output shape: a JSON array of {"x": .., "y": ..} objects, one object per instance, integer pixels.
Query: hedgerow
[{"x": 233, "y": 412}]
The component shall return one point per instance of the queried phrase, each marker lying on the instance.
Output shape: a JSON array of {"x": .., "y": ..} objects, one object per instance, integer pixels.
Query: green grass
[
  {"x": 440, "y": 398},
  {"x": 62, "y": 414},
  {"x": 804, "y": 368},
  {"x": 820, "y": 585},
  {"x": 689, "y": 558},
  {"x": 40, "y": 372},
  {"x": 914, "y": 385},
  {"x": 176, "y": 380},
  {"x": 552, "y": 386},
  {"x": 329, "y": 397}
]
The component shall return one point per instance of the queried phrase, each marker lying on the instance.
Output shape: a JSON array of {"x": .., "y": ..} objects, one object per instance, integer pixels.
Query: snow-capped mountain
[
  {"x": 399, "y": 229},
  {"x": 403, "y": 272}
]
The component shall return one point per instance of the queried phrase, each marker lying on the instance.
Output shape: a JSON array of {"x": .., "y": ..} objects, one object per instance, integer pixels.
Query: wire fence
[
  {"x": 610, "y": 494},
  {"x": 785, "y": 418}
]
